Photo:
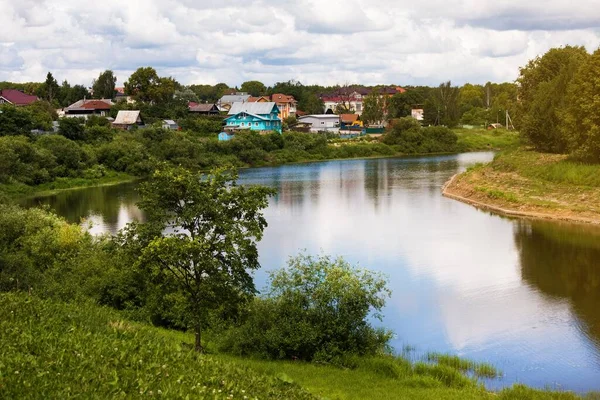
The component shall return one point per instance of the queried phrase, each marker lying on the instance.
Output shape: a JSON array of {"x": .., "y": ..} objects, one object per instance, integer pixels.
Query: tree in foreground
[
  {"x": 210, "y": 230},
  {"x": 317, "y": 308}
]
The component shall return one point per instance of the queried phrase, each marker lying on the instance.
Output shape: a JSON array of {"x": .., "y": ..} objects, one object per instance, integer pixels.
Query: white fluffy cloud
[{"x": 315, "y": 42}]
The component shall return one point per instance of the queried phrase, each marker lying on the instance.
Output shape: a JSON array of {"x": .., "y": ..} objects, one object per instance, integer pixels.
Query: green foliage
[
  {"x": 214, "y": 227},
  {"x": 543, "y": 87},
  {"x": 325, "y": 304},
  {"x": 581, "y": 118},
  {"x": 58, "y": 350},
  {"x": 407, "y": 136},
  {"x": 442, "y": 107},
  {"x": 401, "y": 104},
  {"x": 374, "y": 105},
  {"x": 21, "y": 120},
  {"x": 254, "y": 88},
  {"x": 21, "y": 161},
  {"x": 104, "y": 86},
  {"x": 72, "y": 128}
]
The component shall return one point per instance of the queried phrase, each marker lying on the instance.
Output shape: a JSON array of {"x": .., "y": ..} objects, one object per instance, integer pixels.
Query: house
[
  {"x": 350, "y": 121},
  {"x": 253, "y": 116},
  {"x": 84, "y": 108},
  {"x": 121, "y": 96},
  {"x": 170, "y": 124},
  {"x": 16, "y": 97},
  {"x": 225, "y": 136},
  {"x": 286, "y": 104},
  {"x": 203, "y": 109},
  {"x": 322, "y": 122},
  {"x": 351, "y": 98},
  {"x": 225, "y": 102},
  {"x": 127, "y": 119}
]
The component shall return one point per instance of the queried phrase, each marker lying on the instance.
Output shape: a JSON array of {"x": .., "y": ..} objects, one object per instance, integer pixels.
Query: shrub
[{"x": 316, "y": 309}]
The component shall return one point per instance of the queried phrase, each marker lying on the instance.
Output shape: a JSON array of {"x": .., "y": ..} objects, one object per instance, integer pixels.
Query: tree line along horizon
[{"x": 470, "y": 104}]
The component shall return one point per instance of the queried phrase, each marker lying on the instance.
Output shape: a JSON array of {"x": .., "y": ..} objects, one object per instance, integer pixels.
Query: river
[{"x": 521, "y": 295}]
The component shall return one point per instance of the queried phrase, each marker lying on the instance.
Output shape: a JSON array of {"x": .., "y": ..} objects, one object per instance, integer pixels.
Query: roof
[
  {"x": 169, "y": 122},
  {"x": 321, "y": 116},
  {"x": 233, "y": 98},
  {"x": 102, "y": 104},
  {"x": 349, "y": 117},
  {"x": 253, "y": 99},
  {"x": 199, "y": 107},
  {"x": 17, "y": 97},
  {"x": 120, "y": 90},
  {"x": 253, "y": 115},
  {"x": 252, "y": 108},
  {"x": 283, "y": 98},
  {"x": 125, "y": 117}
]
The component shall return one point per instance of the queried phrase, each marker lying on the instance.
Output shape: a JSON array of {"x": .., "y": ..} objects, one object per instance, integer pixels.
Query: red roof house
[{"x": 16, "y": 97}]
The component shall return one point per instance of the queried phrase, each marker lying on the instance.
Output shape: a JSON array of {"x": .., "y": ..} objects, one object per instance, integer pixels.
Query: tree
[
  {"x": 543, "y": 84},
  {"x": 213, "y": 227},
  {"x": 581, "y": 118},
  {"x": 104, "y": 86},
  {"x": 446, "y": 97},
  {"x": 141, "y": 83},
  {"x": 49, "y": 90},
  {"x": 374, "y": 108},
  {"x": 72, "y": 128},
  {"x": 255, "y": 88},
  {"x": 401, "y": 104},
  {"x": 313, "y": 105}
]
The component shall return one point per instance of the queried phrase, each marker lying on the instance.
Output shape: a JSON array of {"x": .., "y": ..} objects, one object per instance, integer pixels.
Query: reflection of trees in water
[
  {"x": 107, "y": 201},
  {"x": 564, "y": 261}
]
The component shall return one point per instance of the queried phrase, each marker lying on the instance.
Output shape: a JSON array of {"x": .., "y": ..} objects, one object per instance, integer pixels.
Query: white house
[{"x": 322, "y": 122}]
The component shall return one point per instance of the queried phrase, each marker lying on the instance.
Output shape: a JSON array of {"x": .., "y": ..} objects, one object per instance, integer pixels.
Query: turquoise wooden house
[{"x": 253, "y": 116}]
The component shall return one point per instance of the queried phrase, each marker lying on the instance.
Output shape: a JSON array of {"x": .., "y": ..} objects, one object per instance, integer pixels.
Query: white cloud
[{"x": 338, "y": 41}]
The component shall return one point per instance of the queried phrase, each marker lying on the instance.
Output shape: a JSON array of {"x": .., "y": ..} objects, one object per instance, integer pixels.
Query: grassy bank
[
  {"x": 468, "y": 140},
  {"x": 20, "y": 190},
  {"x": 527, "y": 183},
  {"x": 483, "y": 139},
  {"x": 56, "y": 350}
]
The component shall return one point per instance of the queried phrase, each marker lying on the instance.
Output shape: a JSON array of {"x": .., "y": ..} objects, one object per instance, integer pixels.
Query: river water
[{"x": 522, "y": 295}]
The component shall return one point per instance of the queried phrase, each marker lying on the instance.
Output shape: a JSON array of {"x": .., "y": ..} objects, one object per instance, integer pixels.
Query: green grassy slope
[{"x": 51, "y": 350}]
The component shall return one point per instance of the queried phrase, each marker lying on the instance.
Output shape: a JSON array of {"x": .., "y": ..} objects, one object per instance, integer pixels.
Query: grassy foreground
[
  {"x": 55, "y": 350},
  {"x": 526, "y": 183},
  {"x": 483, "y": 139}
]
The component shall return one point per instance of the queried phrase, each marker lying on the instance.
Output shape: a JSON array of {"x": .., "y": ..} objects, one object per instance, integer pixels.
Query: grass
[
  {"x": 20, "y": 190},
  {"x": 56, "y": 350},
  {"x": 482, "y": 139},
  {"x": 538, "y": 184}
]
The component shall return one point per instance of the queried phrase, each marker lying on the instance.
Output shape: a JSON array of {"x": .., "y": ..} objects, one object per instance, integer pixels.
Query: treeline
[
  {"x": 559, "y": 102},
  {"x": 164, "y": 97}
]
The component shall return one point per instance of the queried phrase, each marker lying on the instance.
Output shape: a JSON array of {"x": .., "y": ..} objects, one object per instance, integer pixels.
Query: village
[{"x": 342, "y": 111}]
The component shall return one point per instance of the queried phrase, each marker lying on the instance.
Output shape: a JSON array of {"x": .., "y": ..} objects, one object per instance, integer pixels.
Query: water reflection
[
  {"x": 563, "y": 261},
  {"x": 107, "y": 208}
]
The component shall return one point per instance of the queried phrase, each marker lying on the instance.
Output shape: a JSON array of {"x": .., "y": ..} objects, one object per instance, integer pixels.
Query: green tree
[
  {"x": 581, "y": 118},
  {"x": 543, "y": 84},
  {"x": 313, "y": 105},
  {"x": 325, "y": 304},
  {"x": 445, "y": 97},
  {"x": 49, "y": 90},
  {"x": 104, "y": 86},
  {"x": 373, "y": 108},
  {"x": 254, "y": 88},
  {"x": 141, "y": 83},
  {"x": 401, "y": 104},
  {"x": 72, "y": 128},
  {"x": 213, "y": 227}
]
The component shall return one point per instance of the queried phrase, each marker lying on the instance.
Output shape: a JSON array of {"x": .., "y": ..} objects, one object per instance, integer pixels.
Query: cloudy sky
[{"x": 313, "y": 41}]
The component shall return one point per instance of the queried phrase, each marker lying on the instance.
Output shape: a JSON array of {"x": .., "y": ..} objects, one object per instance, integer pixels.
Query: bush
[{"x": 316, "y": 309}]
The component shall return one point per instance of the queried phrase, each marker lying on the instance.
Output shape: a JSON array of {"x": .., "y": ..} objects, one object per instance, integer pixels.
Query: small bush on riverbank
[{"x": 315, "y": 309}]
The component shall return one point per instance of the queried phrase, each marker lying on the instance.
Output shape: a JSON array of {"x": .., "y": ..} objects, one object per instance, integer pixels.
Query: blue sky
[{"x": 313, "y": 41}]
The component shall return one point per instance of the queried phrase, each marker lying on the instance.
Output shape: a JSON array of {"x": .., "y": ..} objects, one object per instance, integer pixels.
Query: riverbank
[
  {"x": 524, "y": 183},
  {"x": 21, "y": 190},
  {"x": 469, "y": 140},
  {"x": 74, "y": 349}
]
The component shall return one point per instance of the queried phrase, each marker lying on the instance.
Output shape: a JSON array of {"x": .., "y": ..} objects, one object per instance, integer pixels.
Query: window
[
  {"x": 256, "y": 124},
  {"x": 358, "y": 106},
  {"x": 322, "y": 122},
  {"x": 243, "y": 124}
]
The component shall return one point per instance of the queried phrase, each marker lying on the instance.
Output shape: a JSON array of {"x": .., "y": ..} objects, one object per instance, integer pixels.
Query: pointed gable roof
[{"x": 17, "y": 97}]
